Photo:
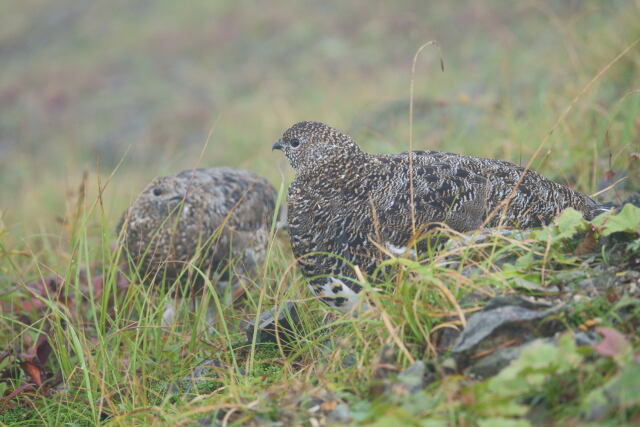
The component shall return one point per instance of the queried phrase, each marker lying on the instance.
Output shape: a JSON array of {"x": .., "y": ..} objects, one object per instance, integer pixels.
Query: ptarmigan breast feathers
[
  {"x": 349, "y": 203},
  {"x": 209, "y": 216}
]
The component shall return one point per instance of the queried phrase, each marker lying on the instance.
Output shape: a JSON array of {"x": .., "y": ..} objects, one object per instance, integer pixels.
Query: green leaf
[
  {"x": 563, "y": 227},
  {"x": 628, "y": 386},
  {"x": 619, "y": 393},
  {"x": 568, "y": 223},
  {"x": 627, "y": 221},
  {"x": 526, "y": 261},
  {"x": 569, "y": 357}
]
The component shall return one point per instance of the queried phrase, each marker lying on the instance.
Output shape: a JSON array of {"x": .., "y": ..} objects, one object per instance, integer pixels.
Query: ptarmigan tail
[{"x": 600, "y": 208}]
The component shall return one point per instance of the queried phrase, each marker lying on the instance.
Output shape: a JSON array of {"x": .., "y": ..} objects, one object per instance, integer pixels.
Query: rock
[
  {"x": 279, "y": 322},
  {"x": 491, "y": 365},
  {"x": 409, "y": 381},
  {"x": 445, "y": 339},
  {"x": 596, "y": 285},
  {"x": 349, "y": 360},
  {"x": 326, "y": 407},
  {"x": 586, "y": 339},
  {"x": 505, "y": 320},
  {"x": 533, "y": 288},
  {"x": 341, "y": 414}
]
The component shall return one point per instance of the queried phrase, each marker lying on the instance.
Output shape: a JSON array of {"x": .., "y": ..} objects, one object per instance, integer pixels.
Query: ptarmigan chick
[
  {"x": 347, "y": 206},
  {"x": 206, "y": 216}
]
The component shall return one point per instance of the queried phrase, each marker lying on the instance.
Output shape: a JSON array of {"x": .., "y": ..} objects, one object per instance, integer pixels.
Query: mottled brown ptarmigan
[
  {"x": 346, "y": 206},
  {"x": 208, "y": 217}
]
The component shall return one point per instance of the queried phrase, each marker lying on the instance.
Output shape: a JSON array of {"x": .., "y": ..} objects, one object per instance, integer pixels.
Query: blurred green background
[{"x": 85, "y": 85}]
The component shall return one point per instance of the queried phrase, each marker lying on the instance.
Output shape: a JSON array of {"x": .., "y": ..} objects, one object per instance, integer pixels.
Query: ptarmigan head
[
  {"x": 154, "y": 213},
  {"x": 309, "y": 144},
  {"x": 162, "y": 198}
]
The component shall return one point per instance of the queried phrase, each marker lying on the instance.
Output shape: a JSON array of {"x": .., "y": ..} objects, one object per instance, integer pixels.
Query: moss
[
  {"x": 20, "y": 416},
  {"x": 266, "y": 367},
  {"x": 585, "y": 310},
  {"x": 48, "y": 413}
]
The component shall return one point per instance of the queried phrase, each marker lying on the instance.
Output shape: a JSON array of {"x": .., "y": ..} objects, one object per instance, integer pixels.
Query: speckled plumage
[
  {"x": 218, "y": 213},
  {"x": 349, "y": 203}
]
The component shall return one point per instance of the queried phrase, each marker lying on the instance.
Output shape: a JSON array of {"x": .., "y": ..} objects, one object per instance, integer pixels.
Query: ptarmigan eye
[
  {"x": 157, "y": 191},
  {"x": 295, "y": 142}
]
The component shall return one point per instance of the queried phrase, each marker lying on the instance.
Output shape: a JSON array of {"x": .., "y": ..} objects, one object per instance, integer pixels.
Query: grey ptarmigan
[
  {"x": 346, "y": 206},
  {"x": 205, "y": 216}
]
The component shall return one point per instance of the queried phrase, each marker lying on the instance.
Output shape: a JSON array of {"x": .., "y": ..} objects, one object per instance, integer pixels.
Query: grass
[{"x": 95, "y": 101}]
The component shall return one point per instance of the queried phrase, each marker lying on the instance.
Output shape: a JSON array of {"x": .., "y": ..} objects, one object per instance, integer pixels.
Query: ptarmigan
[
  {"x": 205, "y": 216},
  {"x": 347, "y": 206}
]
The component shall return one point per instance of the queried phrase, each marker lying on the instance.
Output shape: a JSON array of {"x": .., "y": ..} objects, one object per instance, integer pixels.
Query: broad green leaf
[
  {"x": 627, "y": 221},
  {"x": 568, "y": 223},
  {"x": 563, "y": 227},
  {"x": 524, "y": 262},
  {"x": 628, "y": 386},
  {"x": 569, "y": 356}
]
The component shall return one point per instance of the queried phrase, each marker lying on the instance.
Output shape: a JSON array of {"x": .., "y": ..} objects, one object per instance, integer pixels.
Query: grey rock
[
  {"x": 587, "y": 339},
  {"x": 328, "y": 406},
  {"x": 409, "y": 381},
  {"x": 596, "y": 285},
  {"x": 341, "y": 414},
  {"x": 524, "y": 285},
  {"x": 491, "y": 365},
  {"x": 349, "y": 360},
  {"x": 502, "y": 321}
]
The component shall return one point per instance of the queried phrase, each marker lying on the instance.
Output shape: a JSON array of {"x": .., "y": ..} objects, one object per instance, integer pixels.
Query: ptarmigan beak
[{"x": 277, "y": 145}]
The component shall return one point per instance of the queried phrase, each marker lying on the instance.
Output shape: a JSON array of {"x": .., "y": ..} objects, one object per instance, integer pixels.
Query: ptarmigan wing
[
  {"x": 517, "y": 196},
  {"x": 441, "y": 192}
]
